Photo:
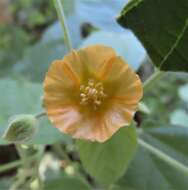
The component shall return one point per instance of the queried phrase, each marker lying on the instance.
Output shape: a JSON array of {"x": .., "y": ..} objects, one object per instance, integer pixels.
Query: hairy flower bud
[
  {"x": 143, "y": 108},
  {"x": 21, "y": 128}
]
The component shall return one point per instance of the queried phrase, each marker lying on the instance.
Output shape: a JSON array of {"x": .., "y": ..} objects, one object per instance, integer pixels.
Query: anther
[
  {"x": 92, "y": 93},
  {"x": 97, "y": 102},
  {"x": 82, "y": 95}
]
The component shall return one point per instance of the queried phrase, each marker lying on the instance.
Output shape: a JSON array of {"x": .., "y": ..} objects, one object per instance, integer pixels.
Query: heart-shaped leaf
[
  {"x": 108, "y": 161},
  {"x": 162, "y": 27}
]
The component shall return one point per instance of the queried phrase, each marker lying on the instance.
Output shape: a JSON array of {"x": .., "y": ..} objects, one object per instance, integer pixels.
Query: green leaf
[
  {"x": 108, "y": 161},
  {"x": 37, "y": 59},
  {"x": 172, "y": 136},
  {"x": 162, "y": 27},
  {"x": 148, "y": 172},
  {"x": 175, "y": 178},
  {"x": 65, "y": 183},
  {"x": 19, "y": 97},
  {"x": 143, "y": 174},
  {"x": 47, "y": 134}
]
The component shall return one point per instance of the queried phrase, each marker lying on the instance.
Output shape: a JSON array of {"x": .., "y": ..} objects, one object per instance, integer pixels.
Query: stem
[
  {"x": 61, "y": 15},
  {"x": 154, "y": 77},
  {"x": 164, "y": 157},
  {"x": 41, "y": 114},
  {"x": 22, "y": 154},
  {"x": 28, "y": 169},
  {"x": 37, "y": 173},
  {"x": 10, "y": 166},
  {"x": 16, "y": 164},
  {"x": 62, "y": 153}
]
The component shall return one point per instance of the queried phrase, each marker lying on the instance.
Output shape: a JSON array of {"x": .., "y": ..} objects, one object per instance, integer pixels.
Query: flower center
[{"x": 92, "y": 93}]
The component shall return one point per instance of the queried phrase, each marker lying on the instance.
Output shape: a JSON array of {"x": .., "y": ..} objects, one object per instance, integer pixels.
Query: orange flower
[{"x": 91, "y": 93}]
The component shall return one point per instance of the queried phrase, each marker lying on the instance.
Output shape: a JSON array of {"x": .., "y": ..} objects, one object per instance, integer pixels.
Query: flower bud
[
  {"x": 21, "y": 128},
  {"x": 143, "y": 108}
]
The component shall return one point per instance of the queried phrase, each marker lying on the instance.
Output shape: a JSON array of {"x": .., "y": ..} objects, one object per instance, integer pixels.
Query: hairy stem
[
  {"x": 62, "y": 153},
  {"x": 16, "y": 164},
  {"x": 22, "y": 155},
  {"x": 10, "y": 166},
  {"x": 28, "y": 169},
  {"x": 41, "y": 114},
  {"x": 152, "y": 79},
  {"x": 61, "y": 15}
]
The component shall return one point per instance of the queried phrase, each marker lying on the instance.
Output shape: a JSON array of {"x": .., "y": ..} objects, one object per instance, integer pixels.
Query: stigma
[{"x": 92, "y": 94}]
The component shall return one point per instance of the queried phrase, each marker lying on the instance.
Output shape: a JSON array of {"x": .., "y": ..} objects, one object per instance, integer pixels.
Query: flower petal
[
  {"x": 64, "y": 117},
  {"x": 60, "y": 81},
  {"x": 121, "y": 83},
  {"x": 75, "y": 63},
  {"x": 99, "y": 128},
  {"x": 102, "y": 128},
  {"x": 95, "y": 55}
]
